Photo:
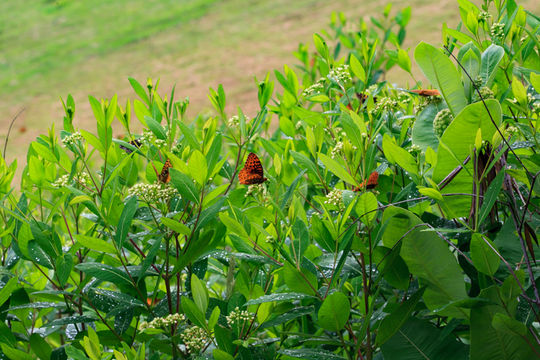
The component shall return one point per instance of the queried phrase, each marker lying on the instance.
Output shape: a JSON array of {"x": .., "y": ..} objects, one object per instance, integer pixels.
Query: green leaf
[
  {"x": 64, "y": 265},
  {"x": 491, "y": 58},
  {"x": 420, "y": 340},
  {"x": 278, "y": 297},
  {"x": 455, "y": 145},
  {"x": 193, "y": 313},
  {"x": 156, "y": 128},
  {"x": 321, "y": 46},
  {"x": 333, "y": 166},
  {"x": 506, "y": 324},
  {"x": 428, "y": 257},
  {"x": 95, "y": 244},
  {"x": 483, "y": 256},
  {"x": 184, "y": 185},
  {"x": 300, "y": 281},
  {"x": 334, "y": 312},
  {"x": 189, "y": 135},
  {"x": 37, "y": 254},
  {"x": 197, "y": 167},
  {"x": 221, "y": 355},
  {"x": 310, "y": 354},
  {"x": 105, "y": 272},
  {"x": 357, "y": 68},
  {"x": 366, "y": 207},
  {"x": 139, "y": 90},
  {"x": 442, "y": 73},
  {"x": 288, "y": 316},
  {"x": 200, "y": 293},
  {"x": 13, "y": 353},
  {"x": 40, "y": 347},
  {"x": 8, "y": 289},
  {"x": 422, "y": 133},
  {"x": 491, "y": 196},
  {"x": 393, "y": 322},
  {"x": 125, "y": 221},
  {"x": 176, "y": 226},
  {"x": 396, "y": 154}
]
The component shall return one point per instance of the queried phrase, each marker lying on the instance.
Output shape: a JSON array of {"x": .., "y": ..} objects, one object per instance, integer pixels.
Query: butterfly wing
[
  {"x": 426, "y": 92},
  {"x": 371, "y": 182},
  {"x": 164, "y": 176},
  {"x": 253, "y": 172}
]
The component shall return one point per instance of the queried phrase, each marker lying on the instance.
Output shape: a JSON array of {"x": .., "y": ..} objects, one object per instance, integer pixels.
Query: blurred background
[{"x": 52, "y": 48}]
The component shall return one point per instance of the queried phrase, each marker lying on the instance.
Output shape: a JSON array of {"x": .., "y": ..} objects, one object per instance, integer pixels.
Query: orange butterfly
[
  {"x": 370, "y": 183},
  {"x": 164, "y": 176},
  {"x": 252, "y": 173},
  {"x": 426, "y": 92}
]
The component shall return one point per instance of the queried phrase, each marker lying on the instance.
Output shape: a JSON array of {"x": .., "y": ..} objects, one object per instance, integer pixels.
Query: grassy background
[{"x": 49, "y": 49}]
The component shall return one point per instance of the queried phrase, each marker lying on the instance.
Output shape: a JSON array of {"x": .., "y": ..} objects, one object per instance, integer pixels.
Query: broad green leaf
[
  {"x": 491, "y": 58},
  {"x": 428, "y": 257},
  {"x": 300, "y": 281},
  {"x": 442, "y": 73},
  {"x": 184, "y": 185},
  {"x": 491, "y": 196},
  {"x": 333, "y": 166},
  {"x": 334, "y": 312},
  {"x": 366, "y": 207},
  {"x": 139, "y": 90},
  {"x": 125, "y": 221},
  {"x": 396, "y": 154},
  {"x": 288, "y": 316},
  {"x": 503, "y": 323},
  {"x": 95, "y": 244},
  {"x": 483, "y": 256},
  {"x": 357, "y": 68},
  {"x": 176, "y": 226},
  {"x": 105, "y": 272},
  {"x": 197, "y": 167},
  {"x": 221, "y": 355},
  {"x": 64, "y": 265},
  {"x": 200, "y": 293},
  {"x": 422, "y": 133},
  {"x": 491, "y": 335},
  {"x": 278, "y": 297},
  {"x": 421, "y": 340},
  {"x": 393, "y": 322},
  {"x": 193, "y": 313},
  {"x": 8, "y": 289},
  {"x": 456, "y": 144},
  {"x": 13, "y": 353},
  {"x": 310, "y": 354}
]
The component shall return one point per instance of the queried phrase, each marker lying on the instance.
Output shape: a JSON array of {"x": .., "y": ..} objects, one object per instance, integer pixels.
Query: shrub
[{"x": 375, "y": 236}]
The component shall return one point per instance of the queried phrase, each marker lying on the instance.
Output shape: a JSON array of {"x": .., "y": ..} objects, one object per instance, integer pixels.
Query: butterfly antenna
[{"x": 9, "y": 131}]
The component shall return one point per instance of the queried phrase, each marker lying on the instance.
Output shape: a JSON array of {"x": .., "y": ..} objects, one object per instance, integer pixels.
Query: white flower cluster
[
  {"x": 337, "y": 150},
  {"x": 152, "y": 192},
  {"x": 71, "y": 139},
  {"x": 147, "y": 137},
  {"x": 195, "y": 339},
  {"x": 484, "y": 16},
  {"x": 511, "y": 130},
  {"x": 340, "y": 74},
  {"x": 157, "y": 323},
  {"x": 233, "y": 121},
  {"x": 385, "y": 103},
  {"x": 238, "y": 316},
  {"x": 81, "y": 179},
  {"x": 316, "y": 88},
  {"x": 335, "y": 197},
  {"x": 497, "y": 32},
  {"x": 414, "y": 148},
  {"x": 256, "y": 189}
]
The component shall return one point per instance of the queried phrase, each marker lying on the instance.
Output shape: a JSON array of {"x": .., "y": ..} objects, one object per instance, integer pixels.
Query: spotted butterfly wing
[
  {"x": 164, "y": 176},
  {"x": 370, "y": 183},
  {"x": 252, "y": 173}
]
